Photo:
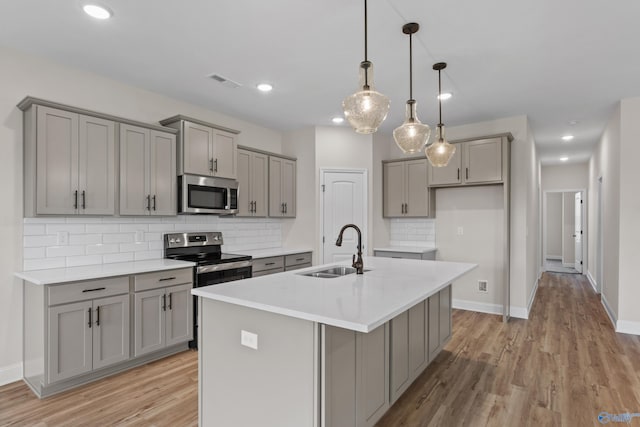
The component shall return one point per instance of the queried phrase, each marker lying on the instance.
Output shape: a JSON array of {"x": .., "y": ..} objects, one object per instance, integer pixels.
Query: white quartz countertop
[
  {"x": 89, "y": 272},
  {"x": 266, "y": 253},
  {"x": 357, "y": 302},
  {"x": 407, "y": 249}
]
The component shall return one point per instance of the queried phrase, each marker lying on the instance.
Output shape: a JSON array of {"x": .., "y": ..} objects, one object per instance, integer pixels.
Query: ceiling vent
[{"x": 225, "y": 81}]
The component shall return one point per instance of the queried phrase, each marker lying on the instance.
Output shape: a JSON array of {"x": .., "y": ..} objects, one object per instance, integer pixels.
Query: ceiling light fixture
[
  {"x": 567, "y": 137},
  {"x": 440, "y": 151},
  {"x": 264, "y": 87},
  {"x": 412, "y": 135},
  {"x": 445, "y": 96},
  {"x": 366, "y": 109},
  {"x": 337, "y": 120},
  {"x": 97, "y": 11},
  {"x": 564, "y": 159}
]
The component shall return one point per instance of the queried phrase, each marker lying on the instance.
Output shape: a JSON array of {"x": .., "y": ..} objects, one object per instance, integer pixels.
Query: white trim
[
  {"x": 519, "y": 312},
  {"x": 592, "y": 281},
  {"x": 607, "y": 308},
  {"x": 480, "y": 307},
  {"x": 10, "y": 374},
  {"x": 365, "y": 196},
  {"x": 569, "y": 265},
  {"x": 628, "y": 327},
  {"x": 553, "y": 257}
]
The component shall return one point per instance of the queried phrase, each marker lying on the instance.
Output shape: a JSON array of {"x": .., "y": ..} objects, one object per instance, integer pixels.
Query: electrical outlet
[
  {"x": 460, "y": 231},
  {"x": 483, "y": 286},
  {"x": 139, "y": 236},
  {"x": 249, "y": 339},
  {"x": 62, "y": 238}
]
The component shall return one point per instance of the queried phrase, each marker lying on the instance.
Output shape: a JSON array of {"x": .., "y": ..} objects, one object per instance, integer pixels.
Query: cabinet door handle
[
  {"x": 75, "y": 197},
  {"x": 98, "y": 316},
  {"x": 406, "y": 208},
  {"x": 154, "y": 202},
  {"x": 84, "y": 200},
  {"x": 164, "y": 279},
  {"x": 282, "y": 208},
  {"x": 286, "y": 208},
  {"x": 255, "y": 206},
  {"x": 458, "y": 174},
  {"x": 90, "y": 317},
  {"x": 148, "y": 202},
  {"x": 211, "y": 165},
  {"x": 170, "y": 293},
  {"x": 93, "y": 290},
  {"x": 164, "y": 302},
  {"x": 215, "y": 165},
  {"x": 467, "y": 174}
]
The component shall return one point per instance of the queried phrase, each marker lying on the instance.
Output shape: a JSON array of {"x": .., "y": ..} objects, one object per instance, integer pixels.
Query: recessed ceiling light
[
  {"x": 264, "y": 87},
  {"x": 564, "y": 159},
  {"x": 573, "y": 122},
  {"x": 445, "y": 96},
  {"x": 567, "y": 137},
  {"x": 337, "y": 120},
  {"x": 97, "y": 11}
]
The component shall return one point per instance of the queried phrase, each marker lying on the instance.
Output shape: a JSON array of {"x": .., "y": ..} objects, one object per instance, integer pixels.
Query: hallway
[{"x": 563, "y": 366}]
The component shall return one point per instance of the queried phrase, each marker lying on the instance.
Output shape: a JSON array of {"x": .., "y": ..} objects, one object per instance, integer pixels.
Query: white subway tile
[
  {"x": 43, "y": 263},
  {"x": 69, "y": 228},
  {"x": 33, "y": 241},
  {"x": 120, "y": 257},
  {"x": 148, "y": 220},
  {"x": 75, "y": 261},
  {"x": 85, "y": 239},
  {"x": 46, "y": 220},
  {"x": 134, "y": 247},
  {"x": 83, "y": 220},
  {"x": 61, "y": 251},
  {"x": 180, "y": 219},
  {"x": 33, "y": 253},
  {"x": 33, "y": 229},
  {"x": 161, "y": 227},
  {"x": 103, "y": 228},
  {"x": 118, "y": 238},
  {"x": 156, "y": 245},
  {"x": 139, "y": 256},
  {"x": 152, "y": 237},
  {"x": 102, "y": 249},
  {"x": 124, "y": 228}
]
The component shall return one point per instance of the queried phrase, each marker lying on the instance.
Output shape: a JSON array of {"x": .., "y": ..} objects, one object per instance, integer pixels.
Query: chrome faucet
[{"x": 357, "y": 263}]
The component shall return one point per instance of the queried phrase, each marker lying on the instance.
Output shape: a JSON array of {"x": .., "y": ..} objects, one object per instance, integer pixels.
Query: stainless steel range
[{"x": 212, "y": 266}]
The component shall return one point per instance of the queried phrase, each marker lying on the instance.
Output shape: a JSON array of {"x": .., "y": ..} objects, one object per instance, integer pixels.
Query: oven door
[{"x": 202, "y": 194}]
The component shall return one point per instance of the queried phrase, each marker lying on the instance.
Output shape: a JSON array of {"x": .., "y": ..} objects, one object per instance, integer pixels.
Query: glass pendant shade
[
  {"x": 440, "y": 151},
  {"x": 366, "y": 109},
  {"x": 412, "y": 135}
]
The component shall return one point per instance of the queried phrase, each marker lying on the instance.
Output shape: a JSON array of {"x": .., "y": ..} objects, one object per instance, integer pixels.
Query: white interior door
[
  {"x": 577, "y": 235},
  {"x": 344, "y": 202}
]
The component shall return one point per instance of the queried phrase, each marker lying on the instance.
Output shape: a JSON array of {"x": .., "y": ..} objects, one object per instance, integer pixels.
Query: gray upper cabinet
[
  {"x": 282, "y": 187},
  {"x": 147, "y": 172},
  {"x": 475, "y": 162},
  {"x": 204, "y": 148},
  {"x": 253, "y": 181},
  {"x": 75, "y": 167},
  {"x": 405, "y": 192}
]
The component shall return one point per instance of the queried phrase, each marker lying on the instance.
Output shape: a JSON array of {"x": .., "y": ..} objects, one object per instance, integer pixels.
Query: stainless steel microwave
[{"x": 207, "y": 195}]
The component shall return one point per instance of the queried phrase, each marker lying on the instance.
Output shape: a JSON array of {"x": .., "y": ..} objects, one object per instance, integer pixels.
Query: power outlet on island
[
  {"x": 249, "y": 339},
  {"x": 483, "y": 286}
]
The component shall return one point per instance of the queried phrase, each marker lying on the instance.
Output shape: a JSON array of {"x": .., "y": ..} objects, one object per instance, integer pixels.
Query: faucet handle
[{"x": 353, "y": 261}]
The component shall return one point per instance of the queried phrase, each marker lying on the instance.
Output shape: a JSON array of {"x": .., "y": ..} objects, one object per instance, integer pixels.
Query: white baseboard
[
  {"x": 569, "y": 265},
  {"x": 554, "y": 257},
  {"x": 519, "y": 312},
  {"x": 11, "y": 373},
  {"x": 628, "y": 327},
  {"x": 480, "y": 307},
  {"x": 592, "y": 281},
  {"x": 607, "y": 308}
]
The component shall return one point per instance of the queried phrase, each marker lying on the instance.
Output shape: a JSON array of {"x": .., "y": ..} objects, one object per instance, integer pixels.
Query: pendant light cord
[
  {"x": 410, "y": 67},
  {"x": 365, "y": 30},
  {"x": 440, "y": 99}
]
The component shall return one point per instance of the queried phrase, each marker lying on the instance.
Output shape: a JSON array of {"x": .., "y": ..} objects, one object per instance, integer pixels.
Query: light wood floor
[{"x": 560, "y": 368}]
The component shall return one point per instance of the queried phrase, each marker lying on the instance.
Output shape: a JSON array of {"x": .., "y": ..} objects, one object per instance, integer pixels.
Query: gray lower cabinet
[
  {"x": 297, "y": 261},
  {"x": 163, "y": 317},
  {"x": 431, "y": 255},
  {"x": 278, "y": 264}
]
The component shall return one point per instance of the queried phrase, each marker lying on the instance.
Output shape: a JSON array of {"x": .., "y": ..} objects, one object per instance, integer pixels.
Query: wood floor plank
[{"x": 561, "y": 367}]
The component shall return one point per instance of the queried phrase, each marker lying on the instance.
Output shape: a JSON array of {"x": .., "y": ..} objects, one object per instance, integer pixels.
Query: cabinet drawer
[
  {"x": 298, "y": 266},
  {"x": 271, "y": 263},
  {"x": 267, "y": 272},
  {"x": 296, "y": 259},
  {"x": 394, "y": 254},
  {"x": 161, "y": 279},
  {"x": 79, "y": 291}
]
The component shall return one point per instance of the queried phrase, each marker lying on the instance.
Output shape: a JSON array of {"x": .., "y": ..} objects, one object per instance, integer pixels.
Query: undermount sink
[{"x": 330, "y": 273}]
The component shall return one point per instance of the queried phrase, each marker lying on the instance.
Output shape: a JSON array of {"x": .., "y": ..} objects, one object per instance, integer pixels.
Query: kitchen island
[{"x": 296, "y": 350}]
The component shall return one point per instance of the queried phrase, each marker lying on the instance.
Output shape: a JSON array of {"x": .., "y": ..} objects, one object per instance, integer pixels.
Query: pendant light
[
  {"x": 440, "y": 151},
  {"x": 412, "y": 136},
  {"x": 366, "y": 109}
]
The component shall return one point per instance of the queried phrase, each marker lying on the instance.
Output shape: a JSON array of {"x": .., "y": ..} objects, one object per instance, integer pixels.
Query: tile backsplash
[
  {"x": 413, "y": 231},
  {"x": 74, "y": 241}
]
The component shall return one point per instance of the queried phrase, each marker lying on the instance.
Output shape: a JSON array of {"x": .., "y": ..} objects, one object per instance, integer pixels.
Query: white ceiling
[{"x": 555, "y": 61}]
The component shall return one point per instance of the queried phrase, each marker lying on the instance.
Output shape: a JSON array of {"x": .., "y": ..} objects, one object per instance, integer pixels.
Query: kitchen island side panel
[{"x": 275, "y": 385}]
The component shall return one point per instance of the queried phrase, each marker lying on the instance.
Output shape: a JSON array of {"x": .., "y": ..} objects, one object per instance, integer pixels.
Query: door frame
[
  {"x": 585, "y": 229},
  {"x": 365, "y": 198}
]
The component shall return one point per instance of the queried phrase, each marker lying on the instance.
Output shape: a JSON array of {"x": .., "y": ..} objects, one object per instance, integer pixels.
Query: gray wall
[{"x": 554, "y": 226}]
